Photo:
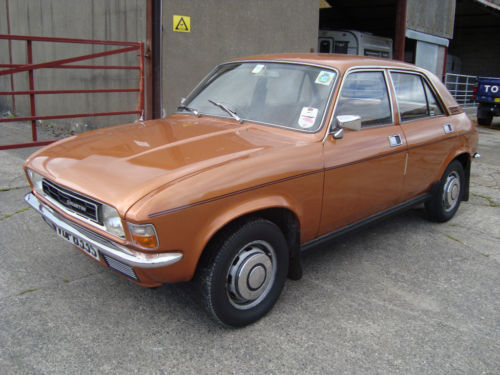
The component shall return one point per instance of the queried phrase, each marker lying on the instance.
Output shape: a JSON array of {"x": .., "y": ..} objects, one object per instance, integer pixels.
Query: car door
[
  {"x": 429, "y": 132},
  {"x": 363, "y": 170}
]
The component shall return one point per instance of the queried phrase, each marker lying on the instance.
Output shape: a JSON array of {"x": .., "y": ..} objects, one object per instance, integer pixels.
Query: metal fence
[
  {"x": 30, "y": 67},
  {"x": 462, "y": 88}
]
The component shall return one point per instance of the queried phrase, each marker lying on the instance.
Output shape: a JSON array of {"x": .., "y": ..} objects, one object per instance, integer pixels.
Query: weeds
[
  {"x": 454, "y": 239},
  {"x": 12, "y": 214},
  {"x": 491, "y": 202}
]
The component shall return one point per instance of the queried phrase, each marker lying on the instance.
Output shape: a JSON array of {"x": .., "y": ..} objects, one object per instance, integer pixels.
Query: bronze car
[{"x": 267, "y": 156}]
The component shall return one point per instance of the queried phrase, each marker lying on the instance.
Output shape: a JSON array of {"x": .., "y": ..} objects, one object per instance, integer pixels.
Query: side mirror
[
  {"x": 352, "y": 122},
  {"x": 338, "y": 133}
]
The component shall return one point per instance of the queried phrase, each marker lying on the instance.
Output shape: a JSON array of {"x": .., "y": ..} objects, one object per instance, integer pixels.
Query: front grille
[
  {"x": 120, "y": 267},
  {"x": 72, "y": 201}
]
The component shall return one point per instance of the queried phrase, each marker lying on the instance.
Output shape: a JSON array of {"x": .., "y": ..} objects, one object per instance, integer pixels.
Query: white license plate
[{"x": 82, "y": 244}]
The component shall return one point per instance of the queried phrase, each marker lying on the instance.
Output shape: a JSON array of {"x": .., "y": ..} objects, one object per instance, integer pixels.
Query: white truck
[{"x": 354, "y": 43}]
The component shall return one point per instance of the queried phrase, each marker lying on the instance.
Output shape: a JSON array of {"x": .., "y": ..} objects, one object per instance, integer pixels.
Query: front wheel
[
  {"x": 243, "y": 273},
  {"x": 484, "y": 115},
  {"x": 446, "y": 199},
  {"x": 485, "y": 120}
]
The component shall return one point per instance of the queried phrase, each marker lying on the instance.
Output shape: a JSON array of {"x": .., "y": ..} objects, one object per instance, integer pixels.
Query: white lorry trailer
[{"x": 354, "y": 43}]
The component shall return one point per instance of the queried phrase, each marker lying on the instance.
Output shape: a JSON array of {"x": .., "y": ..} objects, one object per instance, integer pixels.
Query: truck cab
[{"x": 487, "y": 94}]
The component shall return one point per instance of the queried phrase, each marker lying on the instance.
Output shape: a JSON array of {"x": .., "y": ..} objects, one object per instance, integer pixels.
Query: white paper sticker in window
[
  {"x": 325, "y": 78},
  {"x": 308, "y": 117},
  {"x": 258, "y": 68}
]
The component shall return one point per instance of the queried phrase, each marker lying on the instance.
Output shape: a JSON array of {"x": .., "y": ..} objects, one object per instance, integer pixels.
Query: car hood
[{"x": 122, "y": 164}]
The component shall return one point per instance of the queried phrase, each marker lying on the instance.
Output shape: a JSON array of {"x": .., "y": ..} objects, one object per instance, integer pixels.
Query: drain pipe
[
  {"x": 153, "y": 58},
  {"x": 400, "y": 31}
]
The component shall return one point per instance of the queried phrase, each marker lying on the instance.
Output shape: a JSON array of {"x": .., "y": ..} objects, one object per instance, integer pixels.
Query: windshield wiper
[
  {"x": 192, "y": 110},
  {"x": 223, "y": 107}
]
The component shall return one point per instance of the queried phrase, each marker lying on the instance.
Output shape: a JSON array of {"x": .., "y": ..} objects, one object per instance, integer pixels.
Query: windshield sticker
[
  {"x": 308, "y": 117},
  {"x": 258, "y": 68},
  {"x": 324, "y": 78}
]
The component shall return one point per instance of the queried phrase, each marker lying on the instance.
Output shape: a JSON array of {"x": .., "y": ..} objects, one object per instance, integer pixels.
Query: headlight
[
  {"x": 36, "y": 181},
  {"x": 112, "y": 221},
  {"x": 144, "y": 235}
]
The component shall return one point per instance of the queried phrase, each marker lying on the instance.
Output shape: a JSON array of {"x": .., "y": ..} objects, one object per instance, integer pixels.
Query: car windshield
[{"x": 286, "y": 95}]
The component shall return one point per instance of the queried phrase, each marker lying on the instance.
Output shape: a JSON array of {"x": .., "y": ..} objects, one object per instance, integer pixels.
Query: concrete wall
[
  {"x": 221, "y": 30},
  {"x": 121, "y": 20},
  {"x": 225, "y": 29},
  {"x": 435, "y": 17}
]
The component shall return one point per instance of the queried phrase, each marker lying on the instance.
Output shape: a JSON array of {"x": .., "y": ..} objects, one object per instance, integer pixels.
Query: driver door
[{"x": 364, "y": 170}]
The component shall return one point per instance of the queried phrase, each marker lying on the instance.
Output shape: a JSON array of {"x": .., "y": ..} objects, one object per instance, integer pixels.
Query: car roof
[
  {"x": 343, "y": 62},
  {"x": 339, "y": 61}
]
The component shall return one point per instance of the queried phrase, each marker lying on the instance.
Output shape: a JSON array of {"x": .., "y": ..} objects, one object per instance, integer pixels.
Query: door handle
[
  {"x": 395, "y": 140},
  {"x": 447, "y": 128}
]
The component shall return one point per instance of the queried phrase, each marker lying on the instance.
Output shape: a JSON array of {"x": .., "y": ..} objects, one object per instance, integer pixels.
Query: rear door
[{"x": 429, "y": 132}]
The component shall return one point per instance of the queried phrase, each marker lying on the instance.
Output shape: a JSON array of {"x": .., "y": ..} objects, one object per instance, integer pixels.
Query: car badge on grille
[{"x": 76, "y": 205}]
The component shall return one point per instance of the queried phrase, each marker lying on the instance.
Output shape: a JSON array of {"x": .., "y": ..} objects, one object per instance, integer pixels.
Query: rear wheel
[
  {"x": 243, "y": 273},
  {"x": 446, "y": 199}
]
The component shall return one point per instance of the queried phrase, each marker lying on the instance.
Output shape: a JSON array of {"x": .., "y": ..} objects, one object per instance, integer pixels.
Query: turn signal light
[{"x": 144, "y": 235}]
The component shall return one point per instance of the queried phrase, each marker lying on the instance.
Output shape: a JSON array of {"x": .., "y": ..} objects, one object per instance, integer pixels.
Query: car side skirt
[{"x": 369, "y": 220}]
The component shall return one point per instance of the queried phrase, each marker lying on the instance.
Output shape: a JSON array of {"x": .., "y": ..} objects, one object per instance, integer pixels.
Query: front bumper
[{"x": 105, "y": 246}]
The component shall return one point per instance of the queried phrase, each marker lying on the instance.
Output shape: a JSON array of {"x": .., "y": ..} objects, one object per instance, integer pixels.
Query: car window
[
  {"x": 289, "y": 95},
  {"x": 435, "y": 108},
  {"x": 410, "y": 95},
  {"x": 365, "y": 94},
  {"x": 415, "y": 98}
]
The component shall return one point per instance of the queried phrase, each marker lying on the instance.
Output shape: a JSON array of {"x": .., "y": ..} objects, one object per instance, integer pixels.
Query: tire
[
  {"x": 241, "y": 275},
  {"x": 485, "y": 120},
  {"x": 484, "y": 115},
  {"x": 446, "y": 198}
]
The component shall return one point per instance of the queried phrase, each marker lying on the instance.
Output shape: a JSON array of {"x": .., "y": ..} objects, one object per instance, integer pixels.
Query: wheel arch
[
  {"x": 465, "y": 160},
  {"x": 282, "y": 216},
  {"x": 464, "y": 157}
]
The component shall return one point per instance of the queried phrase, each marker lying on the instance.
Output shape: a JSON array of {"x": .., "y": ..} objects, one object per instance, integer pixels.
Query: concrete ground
[{"x": 404, "y": 296}]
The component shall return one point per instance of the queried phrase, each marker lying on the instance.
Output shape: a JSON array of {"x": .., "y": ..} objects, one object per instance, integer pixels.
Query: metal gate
[
  {"x": 30, "y": 68},
  {"x": 462, "y": 88}
]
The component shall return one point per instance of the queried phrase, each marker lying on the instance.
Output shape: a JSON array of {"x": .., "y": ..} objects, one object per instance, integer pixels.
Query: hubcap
[
  {"x": 451, "y": 191},
  {"x": 251, "y": 274}
]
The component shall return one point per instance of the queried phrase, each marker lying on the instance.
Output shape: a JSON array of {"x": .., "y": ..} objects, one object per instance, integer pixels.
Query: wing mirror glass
[{"x": 352, "y": 122}]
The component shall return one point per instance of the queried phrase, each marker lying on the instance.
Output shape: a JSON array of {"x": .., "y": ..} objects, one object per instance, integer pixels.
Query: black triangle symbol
[{"x": 182, "y": 24}]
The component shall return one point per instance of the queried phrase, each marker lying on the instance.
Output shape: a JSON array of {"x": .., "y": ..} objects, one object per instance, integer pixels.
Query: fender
[
  {"x": 247, "y": 208},
  {"x": 457, "y": 154},
  {"x": 452, "y": 156}
]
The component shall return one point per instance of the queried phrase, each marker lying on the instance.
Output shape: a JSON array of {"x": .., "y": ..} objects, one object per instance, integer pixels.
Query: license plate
[{"x": 82, "y": 244}]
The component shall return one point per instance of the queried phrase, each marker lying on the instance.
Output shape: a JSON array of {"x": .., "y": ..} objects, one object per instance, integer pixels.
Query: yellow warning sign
[{"x": 182, "y": 24}]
